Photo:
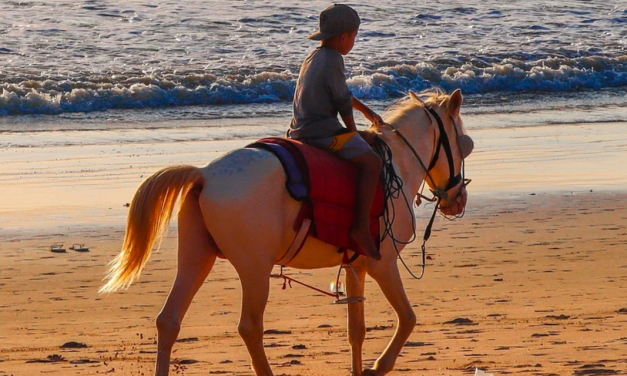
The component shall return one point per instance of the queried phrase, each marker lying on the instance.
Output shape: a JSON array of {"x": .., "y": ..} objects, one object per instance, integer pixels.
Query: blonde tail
[{"x": 148, "y": 218}]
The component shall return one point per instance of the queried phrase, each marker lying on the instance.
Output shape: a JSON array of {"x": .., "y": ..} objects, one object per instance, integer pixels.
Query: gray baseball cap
[{"x": 334, "y": 20}]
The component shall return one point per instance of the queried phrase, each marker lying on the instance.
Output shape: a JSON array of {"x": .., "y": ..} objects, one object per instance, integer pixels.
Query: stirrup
[{"x": 349, "y": 300}]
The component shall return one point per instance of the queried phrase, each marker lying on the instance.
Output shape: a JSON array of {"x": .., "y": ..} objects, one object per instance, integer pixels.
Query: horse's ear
[
  {"x": 416, "y": 98},
  {"x": 455, "y": 103}
]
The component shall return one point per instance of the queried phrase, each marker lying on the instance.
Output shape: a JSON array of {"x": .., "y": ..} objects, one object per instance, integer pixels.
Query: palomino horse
[{"x": 247, "y": 187}]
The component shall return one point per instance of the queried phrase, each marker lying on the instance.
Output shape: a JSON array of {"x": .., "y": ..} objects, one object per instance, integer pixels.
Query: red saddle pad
[{"x": 332, "y": 195}]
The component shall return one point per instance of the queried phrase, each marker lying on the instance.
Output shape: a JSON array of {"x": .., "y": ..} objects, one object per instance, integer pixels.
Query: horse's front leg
[
  {"x": 386, "y": 274},
  {"x": 356, "y": 322}
]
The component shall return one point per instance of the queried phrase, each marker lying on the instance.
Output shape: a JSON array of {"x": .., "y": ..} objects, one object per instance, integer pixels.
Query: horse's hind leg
[
  {"x": 255, "y": 280},
  {"x": 196, "y": 256},
  {"x": 387, "y": 276}
]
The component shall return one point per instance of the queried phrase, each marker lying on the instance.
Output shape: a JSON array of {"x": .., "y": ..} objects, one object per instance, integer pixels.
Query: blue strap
[{"x": 295, "y": 184}]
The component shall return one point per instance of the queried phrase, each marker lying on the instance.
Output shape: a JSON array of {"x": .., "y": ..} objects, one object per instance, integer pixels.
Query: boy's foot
[{"x": 364, "y": 241}]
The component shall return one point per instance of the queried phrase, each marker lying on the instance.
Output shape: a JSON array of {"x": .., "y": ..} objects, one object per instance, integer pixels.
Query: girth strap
[{"x": 297, "y": 243}]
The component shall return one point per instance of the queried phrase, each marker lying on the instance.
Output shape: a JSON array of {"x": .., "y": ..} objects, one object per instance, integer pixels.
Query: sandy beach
[{"x": 531, "y": 281}]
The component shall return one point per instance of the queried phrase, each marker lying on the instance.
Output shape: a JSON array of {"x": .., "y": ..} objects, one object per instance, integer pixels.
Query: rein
[{"x": 393, "y": 188}]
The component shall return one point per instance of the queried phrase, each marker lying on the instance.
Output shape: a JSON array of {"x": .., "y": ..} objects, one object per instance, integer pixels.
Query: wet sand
[{"x": 531, "y": 281}]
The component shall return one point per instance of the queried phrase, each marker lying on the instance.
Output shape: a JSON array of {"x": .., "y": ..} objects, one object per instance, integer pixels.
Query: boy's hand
[
  {"x": 368, "y": 113},
  {"x": 376, "y": 119}
]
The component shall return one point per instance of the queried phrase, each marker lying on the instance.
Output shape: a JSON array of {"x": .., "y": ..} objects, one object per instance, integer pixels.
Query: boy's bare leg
[{"x": 369, "y": 165}]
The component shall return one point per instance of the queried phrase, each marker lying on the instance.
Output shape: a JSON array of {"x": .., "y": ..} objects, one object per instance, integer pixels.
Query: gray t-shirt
[{"x": 321, "y": 93}]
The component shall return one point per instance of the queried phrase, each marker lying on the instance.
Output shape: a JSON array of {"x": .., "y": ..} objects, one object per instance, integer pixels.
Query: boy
[{"x": 321, "y": 93}]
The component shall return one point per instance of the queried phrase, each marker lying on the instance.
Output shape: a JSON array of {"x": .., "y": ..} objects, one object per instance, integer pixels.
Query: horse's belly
[{"x": 316, "y": 254}]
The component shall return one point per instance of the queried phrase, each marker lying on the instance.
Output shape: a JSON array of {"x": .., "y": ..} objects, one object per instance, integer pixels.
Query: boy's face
[{"x": 347, "y": 41}]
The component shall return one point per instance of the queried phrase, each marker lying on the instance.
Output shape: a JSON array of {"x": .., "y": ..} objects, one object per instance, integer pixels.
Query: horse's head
[{"x": 452, "y": 145}]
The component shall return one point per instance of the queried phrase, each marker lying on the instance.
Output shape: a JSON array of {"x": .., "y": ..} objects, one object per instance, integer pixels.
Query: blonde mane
[{"x": 401, "y": 111}]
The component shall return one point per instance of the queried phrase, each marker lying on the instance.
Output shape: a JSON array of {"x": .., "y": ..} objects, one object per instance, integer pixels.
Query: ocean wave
[{"x": 477, "y": 75}]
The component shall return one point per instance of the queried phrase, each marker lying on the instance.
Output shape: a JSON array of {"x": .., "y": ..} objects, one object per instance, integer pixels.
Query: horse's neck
[
  {"x": 410, "y": 171},
  {"x": 406, "y": 164}
]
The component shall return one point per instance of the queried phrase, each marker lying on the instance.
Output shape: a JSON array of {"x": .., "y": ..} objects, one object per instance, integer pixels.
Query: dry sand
[{"x": 532, "y": 281}]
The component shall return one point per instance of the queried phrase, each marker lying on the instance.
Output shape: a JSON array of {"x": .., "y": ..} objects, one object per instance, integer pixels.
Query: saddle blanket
[{"x": 327, "y": 186}]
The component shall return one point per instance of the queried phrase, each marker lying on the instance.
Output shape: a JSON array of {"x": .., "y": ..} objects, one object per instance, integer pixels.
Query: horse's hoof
[{"x": 369, "y": 372}]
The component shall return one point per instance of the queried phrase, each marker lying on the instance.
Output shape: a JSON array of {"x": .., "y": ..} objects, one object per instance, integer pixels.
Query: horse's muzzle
[{"x": 457, "y": 205}]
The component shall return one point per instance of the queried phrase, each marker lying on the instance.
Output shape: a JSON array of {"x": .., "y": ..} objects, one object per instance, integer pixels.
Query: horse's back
[{"x": 241, "y": 173}]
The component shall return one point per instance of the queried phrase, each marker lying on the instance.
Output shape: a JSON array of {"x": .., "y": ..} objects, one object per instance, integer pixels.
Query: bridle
[
  {"x": 439, "y": 193},
  {"x": 444, "y": 142},
  {"x": 441, "y": 142}
]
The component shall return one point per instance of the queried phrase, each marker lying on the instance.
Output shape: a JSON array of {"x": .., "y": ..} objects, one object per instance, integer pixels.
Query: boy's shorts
[{"x": 346, "y": 145}]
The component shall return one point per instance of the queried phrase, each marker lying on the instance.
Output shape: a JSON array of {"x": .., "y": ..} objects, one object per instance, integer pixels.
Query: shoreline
[{"x": 62, "y": 185}]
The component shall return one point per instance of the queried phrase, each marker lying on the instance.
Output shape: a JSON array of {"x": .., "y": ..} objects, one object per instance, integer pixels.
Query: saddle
[{"x": 327, "y": 187}]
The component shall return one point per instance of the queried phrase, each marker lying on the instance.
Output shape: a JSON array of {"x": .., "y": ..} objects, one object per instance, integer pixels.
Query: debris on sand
[
  {"x": 54, "y": 358},
  {"x": 185, "y": 361},
  {"x": 188, "y": 339},
  {"x": 84, "y": 361},
  {"x": 276, "y": 331},
  {"x": 461, "y": 321},
  {"x": 417, "y": 344},
  {"x": 74, "y": 345},
  {"x": 379, "y": 327}
]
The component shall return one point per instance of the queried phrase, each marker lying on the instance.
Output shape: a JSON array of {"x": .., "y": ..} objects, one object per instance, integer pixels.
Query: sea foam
[{"x": 124, "y": 91}]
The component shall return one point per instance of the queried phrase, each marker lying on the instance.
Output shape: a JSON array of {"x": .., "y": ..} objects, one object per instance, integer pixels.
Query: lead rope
[{"x": 287, "y": 281}]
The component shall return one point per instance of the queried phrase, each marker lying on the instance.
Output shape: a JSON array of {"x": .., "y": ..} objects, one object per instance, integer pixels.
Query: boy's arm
[
  {"x": 368, "y": 113},
  {"x": 349, "y": 121}
]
